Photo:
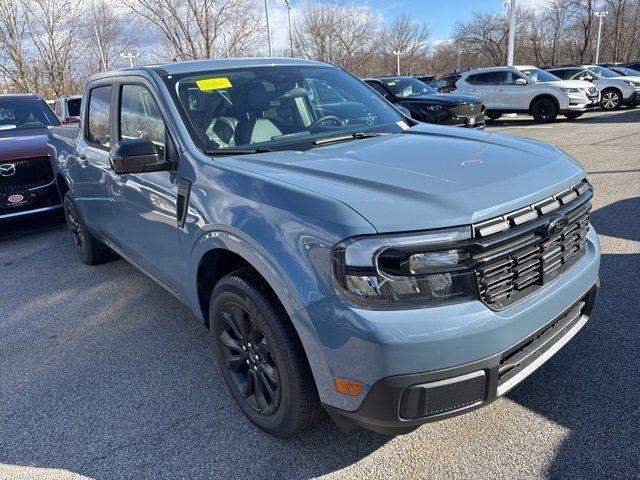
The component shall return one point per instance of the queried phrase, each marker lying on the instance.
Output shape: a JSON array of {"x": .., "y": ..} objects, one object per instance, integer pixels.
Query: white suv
[
  {"x": 527, "y": 89},
  {"x": 616, "y": 90}
]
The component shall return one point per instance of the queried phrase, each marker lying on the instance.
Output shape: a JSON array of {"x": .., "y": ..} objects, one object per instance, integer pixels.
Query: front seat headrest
[{"x": 255, "y": 98}]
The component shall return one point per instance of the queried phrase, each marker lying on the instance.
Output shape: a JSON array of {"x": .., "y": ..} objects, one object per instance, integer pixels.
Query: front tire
[
  {"x": 611, "y": 99},
  {"x": 89, "y": 249},
  {"x": 544, "y": 110},
  {"x": 260, "y": 356}
]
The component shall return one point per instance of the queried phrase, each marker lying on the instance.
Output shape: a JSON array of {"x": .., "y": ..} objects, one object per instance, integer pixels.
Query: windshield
[
  {"x": 404, "y": 87},
  {"x": 23, "y": 114},
  {"x": 538, "y": 75},
  {"x": 269, "y": 107},
  {"x": 603, "y": 72},
  {"x": 629, "y": 72}
]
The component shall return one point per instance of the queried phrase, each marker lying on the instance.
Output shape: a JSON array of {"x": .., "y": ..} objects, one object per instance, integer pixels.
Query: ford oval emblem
[{"x": 556, "y": 225}]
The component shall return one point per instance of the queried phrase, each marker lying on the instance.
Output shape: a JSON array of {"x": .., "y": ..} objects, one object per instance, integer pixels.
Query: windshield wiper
[
  {"x": 351, "y": 136},
  {"x": 237, "y": 151}
]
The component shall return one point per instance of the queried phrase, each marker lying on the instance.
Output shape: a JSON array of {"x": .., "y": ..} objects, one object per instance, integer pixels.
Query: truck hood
[
  {"x": 428, "y": 177},
  {"x": 17, "y": 144}
]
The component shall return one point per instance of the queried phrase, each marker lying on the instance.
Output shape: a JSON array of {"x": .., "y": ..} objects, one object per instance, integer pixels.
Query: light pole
[
  {"x": 600, "y": 16},
  {"x": 226, "y": 47},
  {"x": 512, "y": 31},
  {"x": 130, "y": 56},
  {"x": 266, "y": 12},
  {"x": 103, "y": 57},
  {"x": 290, "y": 32},
  {"x": 397, "y": 53}
]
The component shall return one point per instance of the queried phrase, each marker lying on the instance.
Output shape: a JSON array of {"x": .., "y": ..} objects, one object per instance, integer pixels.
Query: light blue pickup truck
[{"x": 343, "y": 255}]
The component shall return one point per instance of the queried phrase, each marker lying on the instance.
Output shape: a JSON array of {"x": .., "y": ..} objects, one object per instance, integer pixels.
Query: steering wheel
[{"x": 326, "y": 118}]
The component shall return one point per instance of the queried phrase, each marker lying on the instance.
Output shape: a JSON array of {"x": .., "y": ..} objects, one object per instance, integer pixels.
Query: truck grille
[
  {"x": 466, "y": 110},
  {"x": 29, "y": 173},
  {"x": 511, "y": 270}
]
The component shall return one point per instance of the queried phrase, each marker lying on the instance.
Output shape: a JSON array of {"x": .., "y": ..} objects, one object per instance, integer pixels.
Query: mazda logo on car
[
  {"x": 7, "y": 169},
  {"x": 556, "y": 225}
]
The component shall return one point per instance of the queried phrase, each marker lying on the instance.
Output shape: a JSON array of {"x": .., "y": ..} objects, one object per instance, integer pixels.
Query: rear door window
[
  {"x": 99, "y": 115},
  {"x": 507, "y": 78},
  {"x": 488, "y": 78}
]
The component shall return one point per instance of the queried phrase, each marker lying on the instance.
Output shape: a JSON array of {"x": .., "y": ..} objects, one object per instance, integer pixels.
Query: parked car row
[
  {"x": 567, "y": 90},
  {"x": 426, "y": 104}
]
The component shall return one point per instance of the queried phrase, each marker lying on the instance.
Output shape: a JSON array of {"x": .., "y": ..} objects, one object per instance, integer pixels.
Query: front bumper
[
  {"x": 371, "y": 346},
  {"x": 579, "y": 102},
  {"x": 36, "y": 200},
  {"x": 477, "y": 121},
  {"x": 632, "y": 99},
  {"x": 399, "y": 404}
]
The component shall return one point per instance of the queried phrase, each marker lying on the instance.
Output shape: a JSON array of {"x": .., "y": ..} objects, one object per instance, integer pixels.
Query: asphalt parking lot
[{"x": 104, "y": 375}]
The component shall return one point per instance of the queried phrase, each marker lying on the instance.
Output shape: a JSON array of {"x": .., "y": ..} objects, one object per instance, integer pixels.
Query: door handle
[{"x": 499, "y": 90}]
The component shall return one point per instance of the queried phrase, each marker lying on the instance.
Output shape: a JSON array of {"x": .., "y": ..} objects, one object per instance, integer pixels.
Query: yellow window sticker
[
  {"x": 391, "y": 84},
  {"x": 213, "y": 84}
]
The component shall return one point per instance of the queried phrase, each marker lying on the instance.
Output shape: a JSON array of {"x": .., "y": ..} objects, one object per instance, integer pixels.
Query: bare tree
[
  {"x": 107, "y": 32},
  {"x": 197, "y": 29},
  {"x": 54, "y": 26},
  {"x": 409, "y": 37},
  {"x": 14, "y": 61},
  {"x": 340, "y": 33}
]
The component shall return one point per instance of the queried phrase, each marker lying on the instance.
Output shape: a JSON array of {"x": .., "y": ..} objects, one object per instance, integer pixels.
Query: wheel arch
[
  {"x": 219, "y": 261},
  {"x": 540, "y": 97},
  {"x": 62, "y": 184}
]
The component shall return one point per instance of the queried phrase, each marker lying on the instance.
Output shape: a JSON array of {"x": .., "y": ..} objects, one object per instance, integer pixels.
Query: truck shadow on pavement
[
  {"x": 590, "y": 387},
  {"x": 107, "y": 376},
  {"x": 629, "y": 115}
]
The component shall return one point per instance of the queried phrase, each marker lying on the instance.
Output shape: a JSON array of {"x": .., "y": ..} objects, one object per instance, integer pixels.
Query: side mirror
[
  {"x": 521, "y": 81},
  {"x": 404, "y": 111},
  {"x": 589, "y": 78},
  {"x": 136, "y": 155}
]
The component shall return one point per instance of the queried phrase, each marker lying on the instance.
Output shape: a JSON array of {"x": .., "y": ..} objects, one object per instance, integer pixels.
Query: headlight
[
  {"x": 571, "y": 90},
  {"x": 434, "y": 108},
  {"x": 634, "y": 84},
  {"x": 405, "y": 271}
]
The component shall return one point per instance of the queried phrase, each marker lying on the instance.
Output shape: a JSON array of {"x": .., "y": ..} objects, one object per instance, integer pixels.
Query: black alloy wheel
[
  {"x": 89, "y": 249},
  {"x": 74, "y": 228},
  {"x": 260, "y": 355},
  {"x": 544, "y": 110},
  {"x": 249, "y": 359}
]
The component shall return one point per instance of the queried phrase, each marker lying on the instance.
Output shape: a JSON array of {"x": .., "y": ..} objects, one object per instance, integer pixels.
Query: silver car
[{"x": 615, "y": 90}]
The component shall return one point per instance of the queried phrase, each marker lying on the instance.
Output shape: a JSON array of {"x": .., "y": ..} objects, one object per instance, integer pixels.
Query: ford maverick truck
[{"x": 343, "y": 256}]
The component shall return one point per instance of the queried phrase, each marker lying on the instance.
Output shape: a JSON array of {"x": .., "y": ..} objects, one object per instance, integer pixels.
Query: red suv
[{"x": 27, "y": 184}]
